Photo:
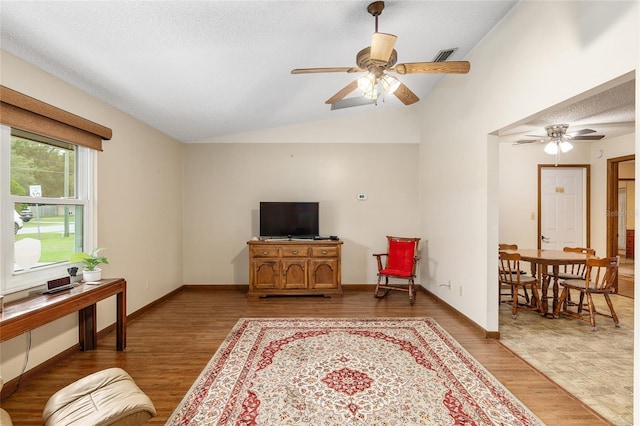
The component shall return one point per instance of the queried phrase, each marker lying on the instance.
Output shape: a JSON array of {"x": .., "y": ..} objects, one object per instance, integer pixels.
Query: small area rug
[{"x": 379, "y": 371}]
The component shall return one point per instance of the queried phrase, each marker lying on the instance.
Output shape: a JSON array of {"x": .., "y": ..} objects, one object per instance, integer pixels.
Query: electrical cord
[{"x": 24, "y": 368}]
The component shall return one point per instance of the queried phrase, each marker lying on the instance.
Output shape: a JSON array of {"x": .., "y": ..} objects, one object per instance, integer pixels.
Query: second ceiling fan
[
  {"x": 558, "y": 139},
  {"x": 377, "y": 60}
]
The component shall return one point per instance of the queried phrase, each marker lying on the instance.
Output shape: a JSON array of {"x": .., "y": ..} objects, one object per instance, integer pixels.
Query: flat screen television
[{"x": 280, "y": 219}]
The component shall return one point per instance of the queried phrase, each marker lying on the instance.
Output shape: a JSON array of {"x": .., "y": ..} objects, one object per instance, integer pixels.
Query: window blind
[{"x": 23, "y": 112}]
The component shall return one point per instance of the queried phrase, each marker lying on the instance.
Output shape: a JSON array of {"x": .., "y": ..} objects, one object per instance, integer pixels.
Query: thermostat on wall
[{"x": 362, "y": 197}]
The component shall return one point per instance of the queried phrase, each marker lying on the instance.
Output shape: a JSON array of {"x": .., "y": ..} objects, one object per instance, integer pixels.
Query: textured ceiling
[
  {"x": 204, "y": 69},
  {"x": 609, "y": 111}
]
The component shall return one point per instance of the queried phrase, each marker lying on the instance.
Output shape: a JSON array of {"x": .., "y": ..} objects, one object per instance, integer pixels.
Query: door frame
[
  {"x": 587, "y": 196},
  {"x": 612, "y": 203}
]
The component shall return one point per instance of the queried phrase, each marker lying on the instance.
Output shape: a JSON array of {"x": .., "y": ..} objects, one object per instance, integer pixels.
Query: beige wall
[
  {"x": 224, "y": 184},
  {"x": 139, "y": 210}
]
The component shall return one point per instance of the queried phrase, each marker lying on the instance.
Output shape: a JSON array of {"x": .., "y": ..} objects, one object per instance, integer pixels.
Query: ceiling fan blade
[
  {"x": 331, "y": 69},
  {"x": 343, "y": 92},
  {"x": 453, "y": 67},
  {"x": 351, "y": 102},
  {"x": 405, "y": 95},
  {"x": 381, "y": 47},
  {"x": 587, "y": 138},
  {"x": 581, "y": 132},
  {"x": 525, "y": 141}
]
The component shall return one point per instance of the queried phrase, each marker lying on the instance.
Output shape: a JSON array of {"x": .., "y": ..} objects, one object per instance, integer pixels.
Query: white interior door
[{"x": 563, "y": 207}]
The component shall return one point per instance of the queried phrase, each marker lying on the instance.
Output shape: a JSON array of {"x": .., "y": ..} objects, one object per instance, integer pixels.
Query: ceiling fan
[
  {"x": 377, "y": 60},
  {"x": 557, "y": 139}
]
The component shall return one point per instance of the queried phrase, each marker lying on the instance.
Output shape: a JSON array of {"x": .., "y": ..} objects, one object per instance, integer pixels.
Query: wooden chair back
[
  {"x": 503, "y": 246},
  {"x": 509, "y": 267},
  {"x": 601, "y": 274},
  {"x": 577, "y": 269}
]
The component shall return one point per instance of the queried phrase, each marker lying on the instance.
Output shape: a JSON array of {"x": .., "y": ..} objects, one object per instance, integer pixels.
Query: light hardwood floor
[{"x": 170, "y": 343}]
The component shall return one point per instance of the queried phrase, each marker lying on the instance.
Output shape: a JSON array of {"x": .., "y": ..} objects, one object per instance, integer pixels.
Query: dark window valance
[{"x": 23, "y": 112}]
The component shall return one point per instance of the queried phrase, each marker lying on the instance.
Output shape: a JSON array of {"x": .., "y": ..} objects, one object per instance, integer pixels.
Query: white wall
[
  {"x": 224, "y": 184},
  {"x": 139, "y": 210},
  {"x": 541, "y": 54}
]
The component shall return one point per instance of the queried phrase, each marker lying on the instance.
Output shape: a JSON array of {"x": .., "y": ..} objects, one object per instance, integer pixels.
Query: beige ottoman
[
  {"x": 5, "y": 418},
  {"x": 108, "y": 397}
]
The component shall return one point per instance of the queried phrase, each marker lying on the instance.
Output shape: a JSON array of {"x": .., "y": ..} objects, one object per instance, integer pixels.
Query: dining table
[{"x": 541, "y": 260}]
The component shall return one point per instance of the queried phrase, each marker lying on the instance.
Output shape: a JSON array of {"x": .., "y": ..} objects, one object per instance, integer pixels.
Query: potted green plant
[{"x": 91, "y": 261}]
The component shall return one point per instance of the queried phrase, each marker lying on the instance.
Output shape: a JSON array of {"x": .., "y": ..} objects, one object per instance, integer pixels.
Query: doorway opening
[{"x": 621, "y": 219}]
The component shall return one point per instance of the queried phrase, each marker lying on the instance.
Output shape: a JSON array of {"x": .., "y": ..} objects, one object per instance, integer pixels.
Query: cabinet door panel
[
  {"x": 266, "y": 274},
  {"x": 294, "y": 273},
  {"x": 324, "y": 273}
]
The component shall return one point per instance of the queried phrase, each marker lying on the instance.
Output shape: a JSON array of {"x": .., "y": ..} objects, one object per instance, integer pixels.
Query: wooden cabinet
[
  {"x": 294, "y": 268},
  {"x": 630, "y": 243}
]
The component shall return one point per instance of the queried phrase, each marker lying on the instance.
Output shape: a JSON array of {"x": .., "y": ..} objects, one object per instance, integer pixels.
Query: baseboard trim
[
  {"x": 11, "y": 386},
  {"x": 487, "y": 334}
]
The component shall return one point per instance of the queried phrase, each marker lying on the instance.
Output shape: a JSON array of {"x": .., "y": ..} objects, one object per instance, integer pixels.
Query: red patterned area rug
[{"x": 382, "y": 371}]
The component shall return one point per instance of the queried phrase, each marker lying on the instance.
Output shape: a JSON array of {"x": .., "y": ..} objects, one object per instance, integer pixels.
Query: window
[{"x": 48, "y": 207}]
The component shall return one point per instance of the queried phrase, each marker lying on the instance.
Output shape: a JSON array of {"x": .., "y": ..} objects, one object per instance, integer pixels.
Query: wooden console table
[
  {"x": 27, "y": 314},
  {"x": 294, "y": 267}
]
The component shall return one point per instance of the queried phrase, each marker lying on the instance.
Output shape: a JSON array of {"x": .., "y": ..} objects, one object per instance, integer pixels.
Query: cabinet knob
[
  {"x": 265, "y": 252},
  {"x": 294, "y": 252},
  {"x": 324, "y": 252}
]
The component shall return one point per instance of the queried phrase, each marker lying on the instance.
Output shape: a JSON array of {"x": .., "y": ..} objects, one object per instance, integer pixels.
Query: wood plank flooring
[{"x": 169, "y": 344}]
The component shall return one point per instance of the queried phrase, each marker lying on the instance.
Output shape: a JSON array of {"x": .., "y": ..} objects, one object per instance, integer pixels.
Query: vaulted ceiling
[{"x": 198, "y": 70}]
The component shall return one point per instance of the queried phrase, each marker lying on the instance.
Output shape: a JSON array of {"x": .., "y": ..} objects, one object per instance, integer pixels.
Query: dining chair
[
  {"x": 509, "y": 274},
  {"x": 400, "y": 263},
  {"x": 599, "y": 278},
  {"x": 574, "y": 271},
  {"x": 505, "y": 289}
]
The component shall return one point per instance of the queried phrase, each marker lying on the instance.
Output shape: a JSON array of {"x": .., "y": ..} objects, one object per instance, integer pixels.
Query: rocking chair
[{"x": 401, "y": 259}]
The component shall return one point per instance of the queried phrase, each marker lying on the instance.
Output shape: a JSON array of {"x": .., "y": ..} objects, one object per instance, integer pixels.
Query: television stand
[{"x": 295, "y": 267}]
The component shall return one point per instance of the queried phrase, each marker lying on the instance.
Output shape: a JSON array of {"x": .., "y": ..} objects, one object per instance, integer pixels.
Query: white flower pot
[{"x": 95, "y": 275}]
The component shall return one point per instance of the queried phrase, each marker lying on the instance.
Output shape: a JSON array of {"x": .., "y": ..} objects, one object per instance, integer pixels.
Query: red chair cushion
[{"x": 400, "y": 259}]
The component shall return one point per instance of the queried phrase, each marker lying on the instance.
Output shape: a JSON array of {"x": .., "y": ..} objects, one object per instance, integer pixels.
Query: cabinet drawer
[
  {"x": 295, "y": 251},
  {"x": 324, "y": 251},
  {"x": 265, "y": 251}
]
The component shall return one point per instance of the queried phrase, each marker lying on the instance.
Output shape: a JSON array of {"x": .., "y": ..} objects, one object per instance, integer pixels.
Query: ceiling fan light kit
[
  {"x": 554, "y": 147},
  {"x": 390, "y": 84},
  {"x": 369, "y": 86},
  {"x": 379, "y": 58}
]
